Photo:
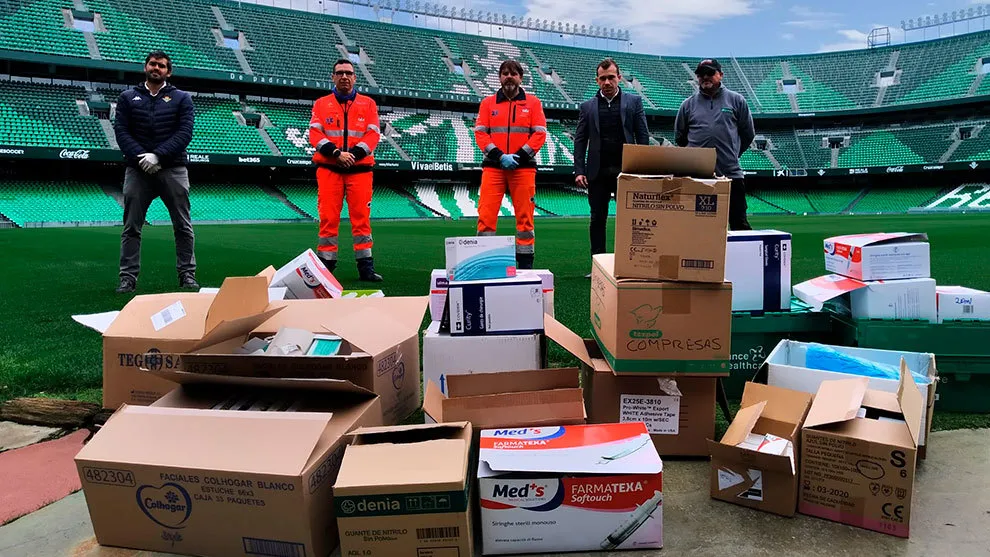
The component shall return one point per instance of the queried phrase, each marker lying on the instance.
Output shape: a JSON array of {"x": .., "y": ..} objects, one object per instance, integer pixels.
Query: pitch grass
[{"x": 51, "y": 274}]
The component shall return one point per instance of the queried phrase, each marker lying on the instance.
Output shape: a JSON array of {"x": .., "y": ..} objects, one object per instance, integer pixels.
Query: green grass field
[{"x": 51, "y": 274}]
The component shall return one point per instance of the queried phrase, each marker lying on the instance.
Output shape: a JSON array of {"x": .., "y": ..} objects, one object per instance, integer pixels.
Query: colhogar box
[
  {"x": 570, "y": 488},
  {"x": 511, "y": 306},
  {"x": 480, "y": 257}
]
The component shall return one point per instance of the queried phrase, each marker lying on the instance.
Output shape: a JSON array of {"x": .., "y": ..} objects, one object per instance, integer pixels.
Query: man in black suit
[{"x": 606, "y": 122}]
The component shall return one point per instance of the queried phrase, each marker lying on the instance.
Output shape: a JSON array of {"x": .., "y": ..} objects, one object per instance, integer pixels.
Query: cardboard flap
[
  {"x": 567, "y": 339},
  {"x": 783, "y": 405},
  {"x": 433, "y": 402},
  {"x": 530, "y": 409},
  {"x": 911, "y": 401},
  {"x": 837, "y": 401},
  {"x": 370, "y": 330},
  {"x": 743, "y": 424},
  {"x": 623, "y": 448},
  {"x": 512, "y": 382},
  {"x": 238, "y": 297},
  {"x": 235, "y": 328},
  {"x": 268, "y": 272},
  {"x": 325, "y": 385},
  {"x": 367, "y": 435},
  {"x": 678, "y": 161},
  {"x": 737, "y": 457},
  {"x": 276, "y": 443}
]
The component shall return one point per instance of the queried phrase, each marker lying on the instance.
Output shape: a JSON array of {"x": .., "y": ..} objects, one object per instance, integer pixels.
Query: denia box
[{"x": 570, "y": 488}]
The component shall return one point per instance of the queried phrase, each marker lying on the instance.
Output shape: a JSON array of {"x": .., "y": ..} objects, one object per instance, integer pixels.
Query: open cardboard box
[
  {"x": 224, "y": 465},
  {"x": 747, "y": 477},
  {"x": 151, "y": 330},
  {"x": 509, "y": 399},
  {"x": 380, "y": 349},
  {"x": 671, "y": 215}
]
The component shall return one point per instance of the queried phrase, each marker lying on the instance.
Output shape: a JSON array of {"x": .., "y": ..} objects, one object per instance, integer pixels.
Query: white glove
[{"x": 147, "y": 161}]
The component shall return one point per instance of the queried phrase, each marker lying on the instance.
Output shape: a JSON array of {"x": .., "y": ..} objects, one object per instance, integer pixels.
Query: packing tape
[
  {"x": 669, "y": 386},
  {"x": 669, "y": 266},
  {"x": 676, "y": 301}
]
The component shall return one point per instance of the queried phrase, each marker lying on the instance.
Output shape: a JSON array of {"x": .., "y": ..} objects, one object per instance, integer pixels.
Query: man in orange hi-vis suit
[
  {"x": 344, "y": 131},
  {"x": 510, "y": 130}
]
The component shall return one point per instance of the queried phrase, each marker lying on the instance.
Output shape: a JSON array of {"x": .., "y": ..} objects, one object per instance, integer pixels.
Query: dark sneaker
[
  {"x": 127, "y": 284},
  {"x": 331, "y": 265},
  {"x": 188, "y": 281},
  {"x": 366, "y": 270}
]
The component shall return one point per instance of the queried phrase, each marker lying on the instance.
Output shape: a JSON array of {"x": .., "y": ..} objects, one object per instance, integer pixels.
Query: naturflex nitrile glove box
[
  {"x": 570, "y": 488},
  {"x": 480, "y": 257}
]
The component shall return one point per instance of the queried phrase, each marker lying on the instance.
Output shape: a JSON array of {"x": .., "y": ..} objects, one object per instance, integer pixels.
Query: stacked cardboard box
[
  {"x": 487, "y": 316},
  {"x": 660, "y": 306}
]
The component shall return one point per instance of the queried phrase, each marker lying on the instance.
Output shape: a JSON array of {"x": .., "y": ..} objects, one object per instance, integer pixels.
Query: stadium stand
[
  {"x": 894, "y": 200},
  {"x": 217, "y": 130},
  {"x": 42, "y": 114},
  {"x": 32, "y": 203}
]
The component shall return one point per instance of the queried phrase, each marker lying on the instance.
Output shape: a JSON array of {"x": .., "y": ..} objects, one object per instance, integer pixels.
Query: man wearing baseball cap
[{"x": 718, "y": 117}]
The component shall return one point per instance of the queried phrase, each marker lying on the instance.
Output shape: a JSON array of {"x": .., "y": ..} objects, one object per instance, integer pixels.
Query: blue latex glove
[{"x": 510, "y": 162}]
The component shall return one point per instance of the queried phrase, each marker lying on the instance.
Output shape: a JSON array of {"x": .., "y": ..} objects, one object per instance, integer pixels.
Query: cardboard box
[
  {"x": 511, "y": 306},
  {"x": 755, "y": 477},
  {"x": 480, "y": 257},
  {"x": 570, "y": 488},
  {"x": 660, "y": 327},
  {"x": 151, "y": 330},
  {"x": 882, "y": 299},
  {"x": 444, "y": 355},
  {"x": 508, "y": 399},
  {"x": 224, "y": 466},
  {"x": 858, "y": 454},
  {"x": 879, "y": 256},
  {"x": 439, "y": 283},
  {"x": 958, "y": 303},
  {"x": 307, "y": 278},
  {"x": 407, "y": 491},
  {"x": 679, "y": 412},
  {"x": 758, "y": 264},
  {"x": 671, "y": 215},
  {"x": 380, "y": 350},
  {"x": 786, "y": 367}
]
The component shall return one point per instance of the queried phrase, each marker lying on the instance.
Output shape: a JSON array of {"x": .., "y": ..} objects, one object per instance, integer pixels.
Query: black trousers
[
  {"x": 737, "y": 206},
  {"x": 600, "y": 191}
]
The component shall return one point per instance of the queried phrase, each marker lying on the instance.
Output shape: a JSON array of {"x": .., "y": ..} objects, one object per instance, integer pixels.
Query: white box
[
  {"x": 880, "y": 256},
  {"x": 785, "y": 367},
  {"x": 439, "y": 283},
  {"x": 961, "y": 303},
  {"x": 758, "y": 264},
  {"x": 572, "y": 488},
  {"x": 445, "y": 355},
  {"x": 509, "y": 306},
  {"x": 307, "y": 278},
  {"x": 480, "y": 257},
  {"x": 884, "y": 299},
  {"x": 895, "y": 299}
]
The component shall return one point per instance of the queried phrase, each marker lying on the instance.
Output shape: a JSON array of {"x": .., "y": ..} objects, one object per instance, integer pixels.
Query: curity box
[
  {"x": 570, "y": 488},
  {"x": 859, "y": 449},
  {"x": 480, "y": 257},
  {"x": 509, "y": 306},
  {"x": 406, "y": 490},
  {"x": 224, "y": 466},
  {"x": 439, "y": 283},
  {"x": 879, "y": 256},
  {"x": 755, "y": 464},
  {"x": 671, "y": 215},
  {"x": 152, "y": 330},
  {"x": 758, "y": 264},
  {"x": 660, "y": 327}
]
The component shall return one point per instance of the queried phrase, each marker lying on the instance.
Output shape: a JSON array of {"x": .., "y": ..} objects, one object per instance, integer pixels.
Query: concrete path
[{"x": 950, "y": 516}]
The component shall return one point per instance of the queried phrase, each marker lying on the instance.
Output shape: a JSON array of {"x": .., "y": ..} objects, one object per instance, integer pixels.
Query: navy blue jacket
[
  {"x": 587, "y": 138},
  {"x": 162, "y": 124}
]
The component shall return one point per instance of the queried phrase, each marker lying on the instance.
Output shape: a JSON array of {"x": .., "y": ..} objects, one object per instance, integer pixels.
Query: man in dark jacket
[
  {"x": 606, "y": 123},
  {"x": 154, "y": 124},
  {"x": 718, "y": 117}
]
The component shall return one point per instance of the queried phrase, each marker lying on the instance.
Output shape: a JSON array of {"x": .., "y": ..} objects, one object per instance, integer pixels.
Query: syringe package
[{"x": 571, "y": 488}]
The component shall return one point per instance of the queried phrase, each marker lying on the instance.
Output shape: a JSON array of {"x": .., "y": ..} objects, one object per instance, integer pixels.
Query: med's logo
[
  {"x": 348, "y": 507},
  {"x": 830, "y": 248},
  {"x": 706, "y": 203},
  {"x": 309, "y": 279},
  {"x": 168, "y": 505}
]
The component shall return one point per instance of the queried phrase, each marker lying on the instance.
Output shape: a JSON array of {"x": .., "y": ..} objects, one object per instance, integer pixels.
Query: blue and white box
[
  {"x": 439, "y": 282},
  {"x": 480, "y": 257},
  {"x": 510, "y": 306},
  {"x": 758, "y": 264}
]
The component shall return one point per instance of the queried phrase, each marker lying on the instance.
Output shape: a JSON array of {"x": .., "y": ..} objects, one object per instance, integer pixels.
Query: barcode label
[
  {"x": 697, "y": 264},
  {"x": 167, "y": 316},
  {"x": 438, "y": 533},
  {"x": 273, "y": 548},
  {"x": 967, "y": 309}
]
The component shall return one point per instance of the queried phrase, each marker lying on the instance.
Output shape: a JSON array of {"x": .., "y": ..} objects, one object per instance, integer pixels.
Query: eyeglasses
[{"x": 343, "y": 73}]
